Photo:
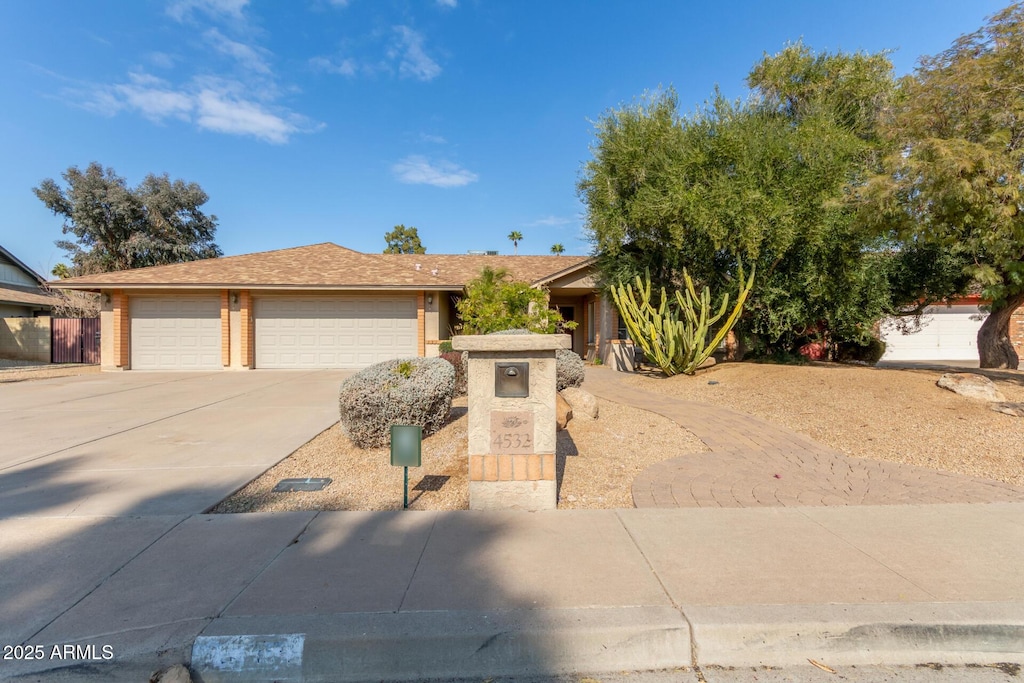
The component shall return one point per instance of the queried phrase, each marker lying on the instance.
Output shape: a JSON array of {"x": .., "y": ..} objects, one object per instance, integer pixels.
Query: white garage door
[
  {"x": 333, "y": 332},
  {"x": 175, "y": 334},
  {"x": 947, "y": 333}
]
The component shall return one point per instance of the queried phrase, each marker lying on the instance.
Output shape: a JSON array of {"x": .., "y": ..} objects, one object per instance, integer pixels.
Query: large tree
[
  {"x": 763, "y": 180},
  {"x": 403, "y": 240},
  {"x": 766, "y": 180},
  {"x": 117, "y": 227},
  {"x": 954, "y": 181}
]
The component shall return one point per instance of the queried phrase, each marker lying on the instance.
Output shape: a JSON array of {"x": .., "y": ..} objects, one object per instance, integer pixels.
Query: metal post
[{"x": 405, "y": 490}]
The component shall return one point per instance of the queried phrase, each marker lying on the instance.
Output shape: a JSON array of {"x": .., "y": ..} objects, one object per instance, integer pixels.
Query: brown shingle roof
[
  {"x": 24, "y": 295},
  {"x": 325, "y": 266}
]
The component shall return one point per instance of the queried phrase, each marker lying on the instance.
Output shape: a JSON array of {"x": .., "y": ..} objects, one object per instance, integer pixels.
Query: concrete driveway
[{"x": 142, "y": 444}]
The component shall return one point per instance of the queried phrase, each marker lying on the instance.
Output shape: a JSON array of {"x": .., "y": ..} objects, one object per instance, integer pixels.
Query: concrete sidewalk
[{"x": 411, "y": 595}]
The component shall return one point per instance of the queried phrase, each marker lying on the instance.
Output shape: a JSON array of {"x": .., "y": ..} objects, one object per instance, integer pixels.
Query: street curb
[
  {"x": 442, "y": 644},
  {"x": 896, "y": 634}
]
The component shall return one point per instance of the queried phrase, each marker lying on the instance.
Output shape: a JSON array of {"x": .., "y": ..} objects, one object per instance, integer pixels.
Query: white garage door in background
[
  {"x": 947, "y": 333},
  {"x": 175, "y": 333},
  {"x": 333, "y": 332}
]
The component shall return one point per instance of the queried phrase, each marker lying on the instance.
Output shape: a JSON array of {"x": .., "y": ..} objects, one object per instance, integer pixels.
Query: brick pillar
[
  {"x": 1017, "y": 331},
  {"x": 511, "y": 435},
  {"x": 122, "y": 329},
  {"x": 225, "y": 329},
  {"x": 245, "y": 301}
]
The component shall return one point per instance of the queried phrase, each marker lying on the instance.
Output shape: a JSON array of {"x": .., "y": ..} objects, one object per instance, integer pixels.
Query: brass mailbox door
[{"x": 512, "y": 380}]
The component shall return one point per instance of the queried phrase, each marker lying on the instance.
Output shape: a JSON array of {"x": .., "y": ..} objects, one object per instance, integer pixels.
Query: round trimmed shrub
[
  {"x": 570, "y": 369},
  {"x": 407, "y": 391}
]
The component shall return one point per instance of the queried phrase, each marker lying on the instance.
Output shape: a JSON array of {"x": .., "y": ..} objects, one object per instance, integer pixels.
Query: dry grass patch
[
  {"x": 598, "y": 460},
  {"x": 882, "y": 414}
]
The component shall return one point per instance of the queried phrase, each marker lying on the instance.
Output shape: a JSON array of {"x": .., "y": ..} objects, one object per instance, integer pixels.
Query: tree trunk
[{"x": 995, "y": 349}]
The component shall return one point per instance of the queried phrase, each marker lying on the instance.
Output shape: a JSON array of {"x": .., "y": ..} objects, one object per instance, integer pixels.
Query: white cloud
[
  {"x": 346, "y": 67},
  {"x": 418, "y": 170},
  {"x": 182, "y": 9},
  {"x": 414, "y": 61},
  {"x": 224, "y": 113},
  {"x": 162, "y": 60},
  {"x": 249, "y": 57},
  {"x": 213, "y": 104},
  {"x": 433, "y": 139},
  {"x": 553, "y": 221},
  {"x": 448, "y": 3}
]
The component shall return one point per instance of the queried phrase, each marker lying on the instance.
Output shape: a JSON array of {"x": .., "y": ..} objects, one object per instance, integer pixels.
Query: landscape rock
[
  {"x": 563, "y": 412},
  {"x": 583, "y": 402},
  {"x": 175, "y": 674},
  {"x": 971, "y": 385},
  {"x": 1015, "y": 409}
]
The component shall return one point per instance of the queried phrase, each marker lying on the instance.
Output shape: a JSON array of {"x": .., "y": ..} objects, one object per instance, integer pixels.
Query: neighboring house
[
  {"x": 24, "y": 310},
  {"x": 319, "y": 306},
  {"x": 947, "y": 332},
  {"x": 21, "y": 289}
]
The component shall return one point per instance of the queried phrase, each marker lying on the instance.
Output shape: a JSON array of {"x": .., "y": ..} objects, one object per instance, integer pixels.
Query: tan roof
[
  {"x": 24, "y": 295},
  {"x": 325, "y": 266}
]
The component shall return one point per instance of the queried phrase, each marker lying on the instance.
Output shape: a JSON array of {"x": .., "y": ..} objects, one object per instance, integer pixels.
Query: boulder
[
  {"x": 583, "y": 402},
  {"x": 563, "y": 411},
  {"x": 971, "y": 385},
  {"x": 175, "y": 674},
  {"x": 1015, "y": 409}
]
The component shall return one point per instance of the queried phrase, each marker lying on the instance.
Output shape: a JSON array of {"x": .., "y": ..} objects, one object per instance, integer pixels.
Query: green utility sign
[
  {"x": 406, "y": 445},
  {"x": 406, "y": 452}
]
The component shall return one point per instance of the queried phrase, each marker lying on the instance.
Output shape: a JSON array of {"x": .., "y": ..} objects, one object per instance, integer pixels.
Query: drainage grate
[{"x": 308, "y": 484}]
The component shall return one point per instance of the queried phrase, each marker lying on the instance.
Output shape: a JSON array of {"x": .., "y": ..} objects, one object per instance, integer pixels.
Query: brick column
[
  {"x": 245, "y": 301},
  {"x": 1016, "y": 331},
  {"x": 122, "y": 329},
  {"x": 225, "y": 329},
  {"x": 512, "y": 437}
]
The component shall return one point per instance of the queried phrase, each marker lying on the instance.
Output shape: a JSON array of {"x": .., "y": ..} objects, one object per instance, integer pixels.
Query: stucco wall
[{"x": 25, "y": 339}]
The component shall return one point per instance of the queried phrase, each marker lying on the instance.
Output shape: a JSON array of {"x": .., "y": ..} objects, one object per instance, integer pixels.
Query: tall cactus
[{"x": 677, "y": 340}]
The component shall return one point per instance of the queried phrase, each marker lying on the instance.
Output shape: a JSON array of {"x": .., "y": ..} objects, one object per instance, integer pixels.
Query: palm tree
[
  {"x": 557, "y": 249},
  {"x": 515, "y": 236}
]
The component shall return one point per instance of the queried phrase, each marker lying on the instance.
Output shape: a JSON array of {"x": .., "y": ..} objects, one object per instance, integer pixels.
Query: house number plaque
[{"x": 512, "y": 432}]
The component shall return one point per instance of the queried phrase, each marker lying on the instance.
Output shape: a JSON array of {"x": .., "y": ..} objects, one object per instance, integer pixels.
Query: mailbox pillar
[{"x": 512, "y": 424}]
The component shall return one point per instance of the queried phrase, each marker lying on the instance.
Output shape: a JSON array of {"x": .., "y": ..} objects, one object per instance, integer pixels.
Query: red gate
[{"x": 75, "y": 340}]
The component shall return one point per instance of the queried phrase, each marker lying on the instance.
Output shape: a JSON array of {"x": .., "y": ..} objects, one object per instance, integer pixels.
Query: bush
[
  {"x": 570, "y": 369},
  {"x": 445, "y": 346},
  {"x": 410, "y": 391},
  {"x": 459, "y": 361},
  {"x": 869, "y": 353}
]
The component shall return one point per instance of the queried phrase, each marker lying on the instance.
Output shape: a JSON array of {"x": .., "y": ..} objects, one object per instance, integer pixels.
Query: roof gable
[{"x": 11, "y": 264}]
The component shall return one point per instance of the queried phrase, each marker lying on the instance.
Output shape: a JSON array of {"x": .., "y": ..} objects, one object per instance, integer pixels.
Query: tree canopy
[
  {"x": 403, "y": 240},
  {"x": 117, "y": 227},
  {"x": 953, "y": 181},
  {"x": 766, "y": 180}
]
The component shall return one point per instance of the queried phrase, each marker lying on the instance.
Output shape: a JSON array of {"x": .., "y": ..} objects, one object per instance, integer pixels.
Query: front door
[{"x": 569, "y": 315}]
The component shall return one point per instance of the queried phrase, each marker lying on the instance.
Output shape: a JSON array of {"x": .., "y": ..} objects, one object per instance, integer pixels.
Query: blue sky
[{"x": 333, "y": 120}]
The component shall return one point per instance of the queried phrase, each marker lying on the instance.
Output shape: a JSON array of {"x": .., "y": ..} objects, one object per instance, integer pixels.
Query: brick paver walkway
[{"x": 753, "y": 463}]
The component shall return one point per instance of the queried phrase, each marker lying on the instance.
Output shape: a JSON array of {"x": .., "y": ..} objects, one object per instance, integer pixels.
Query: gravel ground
[
  {"x": 599, "y": 460},
  {"x": 882, "y": 414},
  {"x": 19, "y": 370}
]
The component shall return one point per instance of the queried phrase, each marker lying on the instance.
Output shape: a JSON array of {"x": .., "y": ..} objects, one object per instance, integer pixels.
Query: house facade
[
  {"x": 21, "y": 289},
  {"x": 948, "y": 331},
  {"x": 319, "y": 306}
]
